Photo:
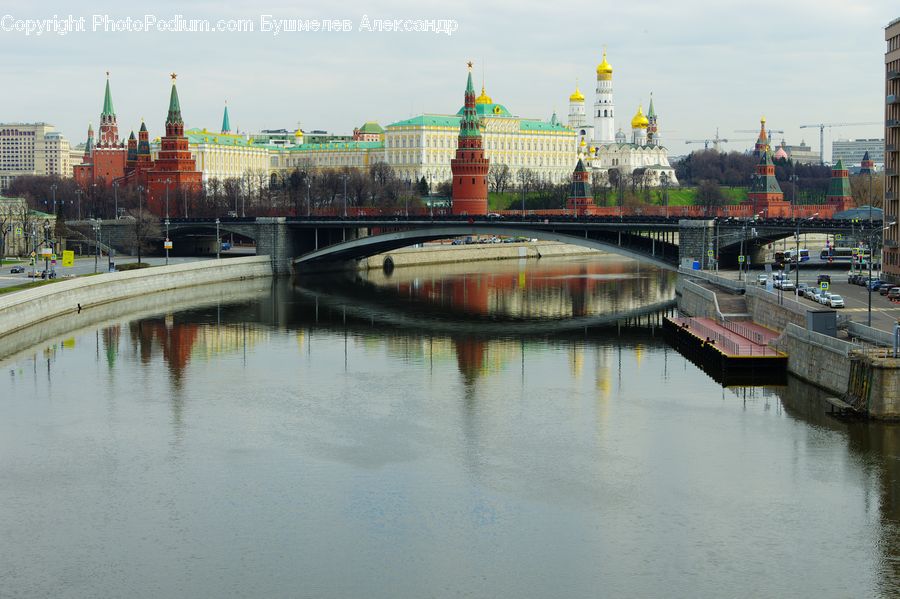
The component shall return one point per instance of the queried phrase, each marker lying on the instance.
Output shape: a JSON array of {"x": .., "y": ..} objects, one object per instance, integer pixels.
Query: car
[
  {"x": 894, "y": 294},
  {"x": 824, "y": 298},
  {"x": 762, "y": 279},
  {"x": 456, "y": 242},
  {"x": 875, "y": 284},
  {"x": 813, "y": 295},
  {"x": 835, "y": 301},
  {"x": 823, "y": 279},
  {"x": 801, "y": 289},
  {"x": 884, "y": 289},
  {"x": 17, "y": 270},
  {"x": 494, "y": 216},
  {"x": 787, "y": 286}
]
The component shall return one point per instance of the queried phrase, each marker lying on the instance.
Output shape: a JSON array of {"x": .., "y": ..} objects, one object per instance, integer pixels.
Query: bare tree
[
  {"x": 142, "y": 231},
  {"x": 709, "y": 195},
  {"x": 499, "y": 177}
]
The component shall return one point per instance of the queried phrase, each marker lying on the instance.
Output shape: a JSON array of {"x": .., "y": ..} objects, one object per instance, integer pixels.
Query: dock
[{"x": 732, "y": 351}]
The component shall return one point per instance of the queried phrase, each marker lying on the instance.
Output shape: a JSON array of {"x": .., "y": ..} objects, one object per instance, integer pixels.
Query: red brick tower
[
  {"x": 470, "y": 167},
  {"x": 174, "y": 168},
  {"x": 109, "y": 155},
  {"x": 580, "y": 200}
]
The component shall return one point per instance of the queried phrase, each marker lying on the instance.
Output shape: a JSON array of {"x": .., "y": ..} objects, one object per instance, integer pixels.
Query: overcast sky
[{"x": 709, "y": 65}]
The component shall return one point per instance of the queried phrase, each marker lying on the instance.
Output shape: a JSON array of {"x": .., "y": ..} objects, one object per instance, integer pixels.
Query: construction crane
[
  {"x": 769, "y": 131},
  {"x": 715, "y": 141},
  {"x": 822, "y": 126}
]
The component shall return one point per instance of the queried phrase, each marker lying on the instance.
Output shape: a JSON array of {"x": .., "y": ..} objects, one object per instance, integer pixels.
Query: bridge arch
[{"x": 363, "y": 247}]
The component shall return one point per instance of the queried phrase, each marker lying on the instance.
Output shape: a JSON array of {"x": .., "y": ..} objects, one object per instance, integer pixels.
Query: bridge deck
[{"x": 733, "y": 339}]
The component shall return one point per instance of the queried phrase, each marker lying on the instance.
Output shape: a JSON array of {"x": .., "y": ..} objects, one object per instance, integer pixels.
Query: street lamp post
[
  {"x": 116, "y": 199},
  {"x": 53, "y": 189},
  {"x": 95, "y": 224},
  {"x": 308, "y": 184},
  {"x": 345, "y": 197},
  {"x": 167, "y": 221},
  {"x": 797, "y": 239},
  {"x": 78, "y": 195},
  {"x": 218, "y": 240}
]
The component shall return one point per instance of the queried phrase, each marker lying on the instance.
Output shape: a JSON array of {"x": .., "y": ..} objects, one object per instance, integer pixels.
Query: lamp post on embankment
[{"x": 797, "y": 255}]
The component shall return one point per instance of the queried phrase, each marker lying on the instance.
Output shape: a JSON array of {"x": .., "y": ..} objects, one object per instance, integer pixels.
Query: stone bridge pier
[{"x": 695, "y": 240}]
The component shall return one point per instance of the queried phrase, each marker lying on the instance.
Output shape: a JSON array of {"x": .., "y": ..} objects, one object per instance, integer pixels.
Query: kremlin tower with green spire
[
  {"x": 174, "y": 171},
  {"x": 103, "y": 161},
  {"x": 470, "y": 167}
]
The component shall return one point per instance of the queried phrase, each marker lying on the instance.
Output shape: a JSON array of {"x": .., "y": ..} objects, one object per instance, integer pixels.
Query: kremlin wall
[{"x": 459, "y": 148}]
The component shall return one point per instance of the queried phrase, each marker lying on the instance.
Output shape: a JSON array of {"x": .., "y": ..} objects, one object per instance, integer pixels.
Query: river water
[{"x": 482, "y": 430}]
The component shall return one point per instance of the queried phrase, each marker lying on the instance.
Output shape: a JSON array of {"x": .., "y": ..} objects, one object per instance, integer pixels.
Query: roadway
[
  {"x": 856, "y": 298},
  {"x": 83, "y": 266}
]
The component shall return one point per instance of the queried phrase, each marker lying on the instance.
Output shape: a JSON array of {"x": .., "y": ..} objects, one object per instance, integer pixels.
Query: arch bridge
[{"x": 322, "y": 242}]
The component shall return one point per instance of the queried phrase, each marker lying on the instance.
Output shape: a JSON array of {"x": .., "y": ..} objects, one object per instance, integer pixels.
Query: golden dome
[
  {"x": 577, "y": 96},
  {"x": 483, "y": 98},
  {"x": 639, "y": 121},
  {"x": 298, "y": 133},
  {"x": 582, "y": 144},
  {"x": 604, "y": 69}
]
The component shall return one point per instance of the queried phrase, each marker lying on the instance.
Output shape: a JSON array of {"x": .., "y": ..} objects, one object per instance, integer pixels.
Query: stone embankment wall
[
  {"x": 448, "y": 254},
  {"x": 817, "y": 358},
  {"x": 695, "y": 300},
  {"x": 22, "y": 309}
]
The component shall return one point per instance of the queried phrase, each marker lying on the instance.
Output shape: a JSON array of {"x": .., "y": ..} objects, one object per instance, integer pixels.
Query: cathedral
[{"x": 603, "y": 147}]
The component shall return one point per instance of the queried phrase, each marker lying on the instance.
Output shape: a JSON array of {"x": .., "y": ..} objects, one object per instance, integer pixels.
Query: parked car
[
  {"x": 801, "y": 289},
  {"x": 875, "y": 284},
  {"x": 787, "y": 285},
  {"x": 835, "y": 301},
  {"x": 17, "y": 270},
  {"x": 883, "y": 290},
  {"x": 823, "y": 279},
  {"x": 813, "y": 295},
  {"x": 494, "y": 216},
  {"x": 762, "y": 279},
  {"x": 894, "y": 294}
]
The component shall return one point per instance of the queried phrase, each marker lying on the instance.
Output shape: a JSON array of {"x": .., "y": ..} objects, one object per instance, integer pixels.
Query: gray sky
[{"x": 708, "y": 64}]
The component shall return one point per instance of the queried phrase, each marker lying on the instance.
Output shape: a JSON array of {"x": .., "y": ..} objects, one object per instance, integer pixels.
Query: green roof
[
  {"x": 371, "y": 127},
  {"x": 174, "y": 115},
  {"x": 199, "y": 136},
  {"x": 452, "y": 121},
  {"x": 108, "y": 109},
  {"x": 484, "y": 110},
  {"x": 226, "y": 124},
  {"x": 429, "y": 120},
  {"x": 337, "y": 145}
]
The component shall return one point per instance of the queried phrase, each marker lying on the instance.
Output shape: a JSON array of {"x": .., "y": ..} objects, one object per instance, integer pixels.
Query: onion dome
[
  {"x": 780, "y": 154},
  {"x": 576, "y": 96},
  {"x": 483, "y": 98},
  {"x": 639, "y": 121},
  {"x": 604, "y": 69}
]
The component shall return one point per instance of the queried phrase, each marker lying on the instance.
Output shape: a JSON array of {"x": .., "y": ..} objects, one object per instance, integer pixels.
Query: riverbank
[
  {"x": 75, "y": 298},
  {"x": 430, "y": 254},
  {"x": 867, "y": 378}
]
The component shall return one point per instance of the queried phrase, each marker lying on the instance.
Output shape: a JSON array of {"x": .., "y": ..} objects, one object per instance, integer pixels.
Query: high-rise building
[
  {"x": 891, "y": 259},
  {"x": 32, "y": 149},
  {"x": 851, "y": 151}
]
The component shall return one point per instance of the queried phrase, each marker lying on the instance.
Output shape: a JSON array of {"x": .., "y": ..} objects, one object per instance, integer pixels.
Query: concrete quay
[
  {"x": 868, "y": 379},
  {"x": 430, "y": 254},
  {"x": 76, "y": 298}
]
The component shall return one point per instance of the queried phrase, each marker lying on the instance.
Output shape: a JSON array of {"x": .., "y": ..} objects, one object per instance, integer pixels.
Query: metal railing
[
  {"x": 744, "y": 331},
  {"x": 728, "y": 345}
]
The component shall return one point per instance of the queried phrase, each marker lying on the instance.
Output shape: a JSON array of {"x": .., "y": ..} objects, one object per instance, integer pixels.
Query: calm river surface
[{"x": 481, "y": 430}]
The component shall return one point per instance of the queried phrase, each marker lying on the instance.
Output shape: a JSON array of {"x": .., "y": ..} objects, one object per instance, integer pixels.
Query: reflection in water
[{"x": 483, "y": 430}]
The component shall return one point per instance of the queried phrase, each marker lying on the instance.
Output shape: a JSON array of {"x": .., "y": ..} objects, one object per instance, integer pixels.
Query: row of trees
[
  {"x": 801, "y": 183},
  {"x": 250, "y": 195}
]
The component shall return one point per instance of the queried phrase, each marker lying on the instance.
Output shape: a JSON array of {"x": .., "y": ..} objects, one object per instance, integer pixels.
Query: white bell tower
[{"x": 604, "y": 108}]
